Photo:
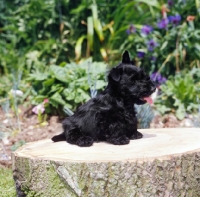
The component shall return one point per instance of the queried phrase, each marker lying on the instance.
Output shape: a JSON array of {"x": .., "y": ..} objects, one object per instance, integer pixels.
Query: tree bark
[{"x": 165, "y": 163}]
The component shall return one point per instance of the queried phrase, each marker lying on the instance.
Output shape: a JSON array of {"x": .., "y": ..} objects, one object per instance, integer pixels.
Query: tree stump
[{"x": 166, "y": 162}]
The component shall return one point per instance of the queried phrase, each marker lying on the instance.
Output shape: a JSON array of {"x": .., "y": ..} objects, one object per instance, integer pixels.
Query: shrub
[
  {"x": 67, "y": 85},
  {"x": 180, "y": 94},
  {"x": 169, "y": 42}
]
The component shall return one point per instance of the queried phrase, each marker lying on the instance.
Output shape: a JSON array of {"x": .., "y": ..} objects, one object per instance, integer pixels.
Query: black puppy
[{"x": 110, "y": 116}]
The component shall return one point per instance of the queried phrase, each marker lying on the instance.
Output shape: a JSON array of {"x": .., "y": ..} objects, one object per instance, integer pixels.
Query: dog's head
[{"x": 131, "y": 81}]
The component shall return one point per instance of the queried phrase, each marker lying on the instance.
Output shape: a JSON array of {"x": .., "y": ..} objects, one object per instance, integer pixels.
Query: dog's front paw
[
  {"x": 84, "y": 141},
  {"x": 136, "y": 136},
  {"x": 119, "y": 141}
]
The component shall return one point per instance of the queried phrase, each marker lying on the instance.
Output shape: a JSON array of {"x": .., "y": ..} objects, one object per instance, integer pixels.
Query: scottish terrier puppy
[{"x": 110, "y": 116}]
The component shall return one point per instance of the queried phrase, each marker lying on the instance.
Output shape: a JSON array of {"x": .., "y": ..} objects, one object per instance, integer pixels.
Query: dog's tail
[{"x": 60, "y": 137}]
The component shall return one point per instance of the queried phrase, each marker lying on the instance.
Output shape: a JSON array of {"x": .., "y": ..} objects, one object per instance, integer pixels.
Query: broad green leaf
[
  {"x": 40, "y": 98},
  {"x": 81, "y": 96},
  {"x": 38, "y": 76},
  {"x": 56, "y": 88},
  {"x": 192, "y": 106},
  {"x": 69, "y": 94},
  {"x": 100, "y": 84},
  {"x": 60, "y": 73},
  {"x": 48, "y": 82},
  {"x": 57, "y": 98},
  {"x": 163, "y": 109}
]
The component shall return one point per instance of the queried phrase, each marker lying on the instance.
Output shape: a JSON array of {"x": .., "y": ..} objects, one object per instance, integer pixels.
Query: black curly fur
[{"x": 110, "y": 116}]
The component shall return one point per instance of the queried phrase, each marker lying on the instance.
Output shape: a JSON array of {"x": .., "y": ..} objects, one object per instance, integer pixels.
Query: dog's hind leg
[{"x": 74, "y": 135}]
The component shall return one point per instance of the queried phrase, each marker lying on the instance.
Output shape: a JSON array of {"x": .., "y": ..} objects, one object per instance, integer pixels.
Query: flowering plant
[
  {"x": 39, "y": 110},
  {"x": 158, "y": 78},
  {"x": 180, "y": 94},
  {"x": 164, "y": 43}
]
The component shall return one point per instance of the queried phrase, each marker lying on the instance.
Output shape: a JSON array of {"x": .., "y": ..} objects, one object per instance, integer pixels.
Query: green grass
[{"x": 7, "y": 186}]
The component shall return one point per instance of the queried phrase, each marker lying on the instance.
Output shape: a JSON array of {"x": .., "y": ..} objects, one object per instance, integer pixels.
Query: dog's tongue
[{"x": 148, "y": 99}]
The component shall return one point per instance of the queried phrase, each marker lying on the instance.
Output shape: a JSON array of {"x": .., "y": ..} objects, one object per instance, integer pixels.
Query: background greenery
[
  {"x": 41, "y": 38},
  {"x": 7, "y": 186}
]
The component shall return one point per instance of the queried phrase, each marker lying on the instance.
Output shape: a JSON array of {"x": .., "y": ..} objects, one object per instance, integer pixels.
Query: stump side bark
[{"x": 166, "y": 162}]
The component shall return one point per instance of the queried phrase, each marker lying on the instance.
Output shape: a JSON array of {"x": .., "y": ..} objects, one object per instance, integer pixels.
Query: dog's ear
[
  {"x": 114, "y": 74},
  {"x": 126, "y": 58}
]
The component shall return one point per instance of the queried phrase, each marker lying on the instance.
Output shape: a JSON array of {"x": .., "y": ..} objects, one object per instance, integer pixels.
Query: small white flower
[{"x": 16, "y": 92}]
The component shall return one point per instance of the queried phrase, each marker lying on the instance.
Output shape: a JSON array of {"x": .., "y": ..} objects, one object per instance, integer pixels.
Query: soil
[{"x": 12, "y": 138}]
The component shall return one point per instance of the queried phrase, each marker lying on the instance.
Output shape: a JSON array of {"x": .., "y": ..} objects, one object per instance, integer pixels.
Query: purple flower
[
  {"x": 170, "y": 3},
  {"x": 146, "y": 29},
  {"x": 175, "y": 20},
  {"x": 140, "y": 54},
  {"x": 158, "y": 78},
  {"x": 151, "y": 44},
  {"x": 131, "y": 29},
  {"x": 162, "y": 24},
  {"x": 153, "y": 58}
]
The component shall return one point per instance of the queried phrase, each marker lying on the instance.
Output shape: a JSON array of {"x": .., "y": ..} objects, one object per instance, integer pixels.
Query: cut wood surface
[{"x": 166, "y": 162}]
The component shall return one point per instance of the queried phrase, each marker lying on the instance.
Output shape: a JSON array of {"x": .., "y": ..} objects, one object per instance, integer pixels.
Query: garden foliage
[
  {"x": 180, "y": 94},
  {"x": 66, "y": 85},
  {"x": 38, "y": 37}
]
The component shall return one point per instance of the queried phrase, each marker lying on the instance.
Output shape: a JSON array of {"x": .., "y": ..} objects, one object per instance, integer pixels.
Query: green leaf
[
  {"x": 81, "y": 96},
  {"x": 180, "y": 112},
  {"x": 90, "y": 32},
  {"x": 40, "y": 98},
  {"x": 164, "y": 45},
  {"x": 97, "y": 24},
  {"x": 69, "y": 94},
  {"x": 162, "y": 108},
  {"x": 56, "y": 88},
  {"x": 57, "y": 98},
  {"x": 38, "y": 76},
  {"x": 100, "y": 84},
  {"x": 78, "y": 46},
  {"x": 49, "y": 82},
  {"x": 60, "y": 73}
]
